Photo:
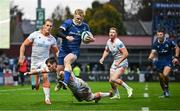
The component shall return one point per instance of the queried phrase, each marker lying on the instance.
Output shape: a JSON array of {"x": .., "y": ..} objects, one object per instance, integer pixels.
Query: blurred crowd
[{"x": 10, "y": 73}]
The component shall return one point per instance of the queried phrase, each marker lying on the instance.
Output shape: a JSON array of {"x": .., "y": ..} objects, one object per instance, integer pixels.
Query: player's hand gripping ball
[{"x": 86, "y": 37}]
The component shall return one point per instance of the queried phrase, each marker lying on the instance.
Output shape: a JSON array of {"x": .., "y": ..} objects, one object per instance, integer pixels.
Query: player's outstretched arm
[
  {"x": 123, "y": 56},
  {"x": 22, "y": 51},
  {"x": 36, "y": 72},
  {"x": 63, "y": 36},
  {"x": 105, "y": 54},
  {"x": 152, "y": 55},
  {"x": 176, "y": 56}
]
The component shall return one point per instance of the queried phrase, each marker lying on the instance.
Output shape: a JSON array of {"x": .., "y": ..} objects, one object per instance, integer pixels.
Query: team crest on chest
[{"x": 166, "y": 45}]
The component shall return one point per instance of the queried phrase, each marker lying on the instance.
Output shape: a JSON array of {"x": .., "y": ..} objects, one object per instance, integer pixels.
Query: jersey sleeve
[
  {"x": 32, "y": 36},
  {"x": 120, "y": 45},
  {"x": 87, "y": 27},
  {"x": 66, "y": 24},
  {"x": 54, "y": 43},
  {"x": 107, "y": 46},
  {"x": 154, "y": 46},
  {"x": 173, "y": 44}
]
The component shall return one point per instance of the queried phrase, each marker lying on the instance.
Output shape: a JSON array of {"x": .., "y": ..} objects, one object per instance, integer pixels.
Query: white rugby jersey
[
  {"x": 114, "y": 49},
  {"x": 77, "y": 84},
  {"x": 41, "y": 47},
  {"x": 80, "y": 89}
]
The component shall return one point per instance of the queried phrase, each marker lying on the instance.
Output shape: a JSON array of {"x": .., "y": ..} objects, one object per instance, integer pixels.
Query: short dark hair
[
  {"x": 51, "y": 60},
  {"x": 114, "y": 28},
  {"x": 161, "y": 30},
  {"x": 47, "y": 20}
]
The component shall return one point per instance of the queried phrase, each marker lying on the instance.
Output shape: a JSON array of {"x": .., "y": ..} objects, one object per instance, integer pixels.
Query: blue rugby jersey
[
  {"x": 165, "y": 53},
  {"x": 73, "y": 30},
  {"x": 164, "y": 50}
]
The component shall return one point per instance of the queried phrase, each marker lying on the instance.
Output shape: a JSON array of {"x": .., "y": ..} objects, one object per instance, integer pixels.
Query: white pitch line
[
  {"x": 9, "y": 90},
  {"x": 145, "y": 108},
  {"x": 146, "y": 87},
  {"x": 4, "y": 21},
  {"x": 146, "y": 95}
]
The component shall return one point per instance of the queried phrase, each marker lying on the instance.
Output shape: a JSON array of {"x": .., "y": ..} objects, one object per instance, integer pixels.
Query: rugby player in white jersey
[
  {"x": 120, "y": 54},
  {"x": 78, "y": 87},
  {"x": 42, "y": 42}
]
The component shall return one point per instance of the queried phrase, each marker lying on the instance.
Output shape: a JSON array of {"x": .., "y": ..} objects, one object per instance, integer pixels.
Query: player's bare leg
[
  {"x": 166, "y": 72},
  {"x": 164, "y": 81},
  {"x": 68, "y": 60},
  {"x": 161, "y": 80},
  {"x": 46, "y": 88},
  {"x": 115, "y": 79},
  {"x": 99, "y": 95},
  {"x": 129, "y": 89},
  {"x": 115, "y": 90},
  {"x": 67, "y": 68},
  {"x": 114, "y": 86},
  {"x": 35, "y": 81}
]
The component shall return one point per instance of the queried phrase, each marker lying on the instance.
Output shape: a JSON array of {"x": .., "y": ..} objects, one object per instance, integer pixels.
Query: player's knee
[
  {"x": 109, "y": 81},
  {"x": 46, "y": 84},
  {"x": 97, "y": 95},
  {"x": 66, "y": 62},
  {"x": 161, "y": 75},
  {"x": 113, "y": 81}
]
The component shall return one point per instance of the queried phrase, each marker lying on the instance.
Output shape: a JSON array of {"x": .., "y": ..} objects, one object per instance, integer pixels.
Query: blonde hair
[{"x": 79, "y": 12}]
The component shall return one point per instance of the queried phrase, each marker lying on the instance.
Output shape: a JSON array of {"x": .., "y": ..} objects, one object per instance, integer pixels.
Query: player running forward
[
  {"x": 70, "y": 32},
  {"x": 120, "y": 54},
  {"x": 42, "y": 42},
  {"x": 163, "y": 49},
  {"x": 79, "y": 88}
]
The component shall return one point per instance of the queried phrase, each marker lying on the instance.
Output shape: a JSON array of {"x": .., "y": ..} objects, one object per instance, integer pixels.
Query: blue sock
[
  {"x": 67, "y": 75},
  {"x": 33, "y": 81}
]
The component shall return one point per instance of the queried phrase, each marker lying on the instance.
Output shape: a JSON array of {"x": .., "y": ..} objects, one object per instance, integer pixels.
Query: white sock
[
  {"x": 46, "y": 92},
  {"x": 104, "y": 94},
  {"x": 116, "y": 92},
  {"x": 125, "y": 85}
]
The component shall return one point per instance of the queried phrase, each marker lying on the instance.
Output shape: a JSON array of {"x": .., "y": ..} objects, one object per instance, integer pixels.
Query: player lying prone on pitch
[{"x": 79, "y": 88}]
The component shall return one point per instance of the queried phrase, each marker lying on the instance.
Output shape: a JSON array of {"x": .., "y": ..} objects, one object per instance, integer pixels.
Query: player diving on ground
[{"x": 78, "y": 87}]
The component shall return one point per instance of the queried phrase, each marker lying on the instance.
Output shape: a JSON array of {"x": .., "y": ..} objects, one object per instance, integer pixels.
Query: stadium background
[
  {"x": 136, "y": 31},
  {"x": 138, "y": 38}
]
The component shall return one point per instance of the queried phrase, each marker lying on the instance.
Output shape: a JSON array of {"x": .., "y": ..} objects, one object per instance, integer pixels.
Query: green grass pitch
[{"x": 23, "y": 98}]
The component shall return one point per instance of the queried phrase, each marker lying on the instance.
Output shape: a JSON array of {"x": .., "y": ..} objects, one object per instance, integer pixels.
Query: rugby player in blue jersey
[
  {"x": 162, "y": 49},
  {"x": 70, "y": 32}
]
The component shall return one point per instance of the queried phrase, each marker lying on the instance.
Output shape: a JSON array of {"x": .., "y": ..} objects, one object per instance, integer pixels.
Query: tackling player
[
  {"x": 162, "y": 48},
  {"x": 42, "y": 42},
  {"x": 70, "y": 32},
  {"x": 120, "y": 54},
  {"x": 79, "y": 88}
]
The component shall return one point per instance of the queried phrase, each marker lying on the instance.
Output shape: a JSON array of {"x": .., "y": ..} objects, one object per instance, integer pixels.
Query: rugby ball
[{"x": 85, "y": 36}]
